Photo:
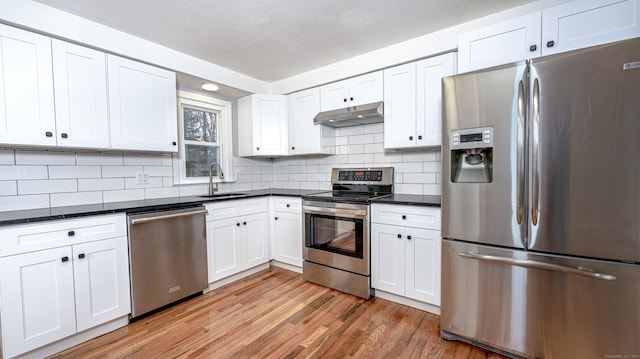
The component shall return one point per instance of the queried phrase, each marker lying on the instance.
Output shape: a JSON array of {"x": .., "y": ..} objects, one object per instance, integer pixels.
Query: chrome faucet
[{"x": 212, "y": 187}]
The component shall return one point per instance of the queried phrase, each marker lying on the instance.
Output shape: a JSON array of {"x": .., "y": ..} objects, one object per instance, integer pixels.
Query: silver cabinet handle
[
  {"x": 527, "y": 263},
  {"x": 535, "y": 141},
  {"x": 167, "y": 216}
]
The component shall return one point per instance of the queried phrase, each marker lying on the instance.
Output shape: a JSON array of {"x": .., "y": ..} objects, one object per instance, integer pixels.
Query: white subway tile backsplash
[
  {"x": 107, "y": 159},
  {"x": 108, "y": 177},
  {"x": 47, "y": 186},
  {"x": 8, "y": 188},
  {"x": 63, "y": 172},
  {"x": 123, "y": 195},
  {"x": 17, "y": 203},
  {"x": 75, "y": 198},
  {"x": 45, "y": 158},
  {"x": 133, "y": 159},
  {"x": 194, "y": 190},
  {"x": 23, "y": 172},
  {"x": 120, "y": 171},
  {"x": 7, "y": 157},
  {"x": 158, "y": 171},
  {"x": 100, "y": 184},
  {"x": 403, "y": 188},
  {"x": 361, "y": 139},
  {"x": 163, "y": 192}
]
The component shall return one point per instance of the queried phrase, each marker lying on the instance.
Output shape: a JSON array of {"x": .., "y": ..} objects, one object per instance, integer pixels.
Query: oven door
[{"x": 337, "y": 235}]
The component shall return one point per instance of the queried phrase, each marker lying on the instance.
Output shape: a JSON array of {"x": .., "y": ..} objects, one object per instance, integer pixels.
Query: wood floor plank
[{"x": 276, "y": 314}]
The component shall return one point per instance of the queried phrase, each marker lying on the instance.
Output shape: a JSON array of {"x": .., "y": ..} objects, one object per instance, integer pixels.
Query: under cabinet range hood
[{"x": 351, "y": 116}]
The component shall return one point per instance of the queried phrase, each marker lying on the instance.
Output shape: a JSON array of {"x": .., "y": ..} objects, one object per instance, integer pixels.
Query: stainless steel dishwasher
[{"x": 168, "y": 256}]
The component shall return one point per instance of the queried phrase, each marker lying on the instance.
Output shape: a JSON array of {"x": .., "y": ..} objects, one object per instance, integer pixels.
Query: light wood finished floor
[{"x": 276, "y": 314}]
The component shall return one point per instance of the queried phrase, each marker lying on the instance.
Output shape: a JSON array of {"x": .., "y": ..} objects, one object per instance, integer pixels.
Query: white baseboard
[{"x": 286, "y": 266}]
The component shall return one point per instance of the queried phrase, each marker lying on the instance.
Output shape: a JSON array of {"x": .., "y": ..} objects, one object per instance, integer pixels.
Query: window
[{"x": 205, "y": 138}]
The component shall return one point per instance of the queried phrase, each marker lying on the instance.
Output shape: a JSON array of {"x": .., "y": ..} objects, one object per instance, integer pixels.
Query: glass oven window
[{"x": 335, "y": 234}]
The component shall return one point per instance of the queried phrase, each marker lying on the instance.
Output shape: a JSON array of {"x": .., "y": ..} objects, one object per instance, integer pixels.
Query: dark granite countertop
[
  {"x": 409, "y": 199},
  {"x": 46, "y": 214}
]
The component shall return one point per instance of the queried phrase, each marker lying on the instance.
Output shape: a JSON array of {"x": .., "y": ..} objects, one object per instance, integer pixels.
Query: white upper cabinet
[
  {"x": 413, "y": 102},
  {"x": 142, "y": 106},
  {"x": 581, "y": 24},
  {"x": 80, "y": 83},
  {"x": 262, "y": 125},
  {"x": 26, "y": 89},
  {"x": 508, "y": 41},
  {"x": 304, "y": 137},
  {"x": 352, "y": 92},
  {"x": 565, "y": 27}
]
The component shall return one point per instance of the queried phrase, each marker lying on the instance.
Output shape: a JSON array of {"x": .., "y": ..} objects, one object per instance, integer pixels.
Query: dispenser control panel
[{"x": 480, "y": 137}]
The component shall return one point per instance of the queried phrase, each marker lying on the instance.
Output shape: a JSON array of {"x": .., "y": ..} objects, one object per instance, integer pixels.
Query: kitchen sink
[{"x": 224, "y": 195}]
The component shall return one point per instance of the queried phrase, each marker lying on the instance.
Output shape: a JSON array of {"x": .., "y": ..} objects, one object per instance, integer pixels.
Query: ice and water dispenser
[{"x": 472, "y": 155}]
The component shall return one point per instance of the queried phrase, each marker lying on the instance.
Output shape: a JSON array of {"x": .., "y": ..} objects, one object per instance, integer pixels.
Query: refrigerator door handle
[
  {"x": 520, "y": 154},
  {"x": 535, "y": 139},
  {"x": 527, "y": 263}
]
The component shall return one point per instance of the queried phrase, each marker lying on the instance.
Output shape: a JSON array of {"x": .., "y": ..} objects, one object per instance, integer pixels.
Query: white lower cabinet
[
  {"x": 237, "y": 236},
  {"x": 405, "y": 251},
  {"x": 286, "y": 230},
  {"x": 50, "y": 294}
]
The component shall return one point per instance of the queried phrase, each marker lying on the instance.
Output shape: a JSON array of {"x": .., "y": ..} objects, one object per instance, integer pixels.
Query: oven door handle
[{"x": 338, "y": 211}]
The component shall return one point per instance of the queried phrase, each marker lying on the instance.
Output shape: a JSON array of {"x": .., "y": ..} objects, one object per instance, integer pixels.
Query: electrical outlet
[{"x": 142, "y": 178}]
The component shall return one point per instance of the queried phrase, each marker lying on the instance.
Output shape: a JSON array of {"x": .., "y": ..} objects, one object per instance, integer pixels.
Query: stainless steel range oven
[{"x": 336, "y": 229}]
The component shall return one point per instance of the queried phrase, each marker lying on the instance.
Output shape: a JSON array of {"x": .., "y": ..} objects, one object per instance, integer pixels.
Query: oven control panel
[
  {"x": 365, "y": 176},
  {"x": 360, "y": 176}
]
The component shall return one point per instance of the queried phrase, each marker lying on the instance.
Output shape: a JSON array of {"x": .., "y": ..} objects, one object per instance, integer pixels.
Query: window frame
[{"x": 224, "y": 137}]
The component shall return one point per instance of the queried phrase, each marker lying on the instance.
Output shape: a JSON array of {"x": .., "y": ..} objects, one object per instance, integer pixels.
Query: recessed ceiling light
[{"x": 210, "y": 87}]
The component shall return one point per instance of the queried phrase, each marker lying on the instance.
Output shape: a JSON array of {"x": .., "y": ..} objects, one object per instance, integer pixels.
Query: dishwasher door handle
[{"x": 167, "y": 216}]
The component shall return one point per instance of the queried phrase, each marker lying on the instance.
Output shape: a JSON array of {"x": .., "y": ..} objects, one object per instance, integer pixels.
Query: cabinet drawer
[
  {"x": 287, "y": 204},
  {"x": 235, "y": 208},
  {"x": 16, "y": 239},
  {"x": 408, "y": 216}
]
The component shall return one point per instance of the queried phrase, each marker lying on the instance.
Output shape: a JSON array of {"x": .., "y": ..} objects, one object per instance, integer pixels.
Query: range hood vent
[{"x": 351, "y": 116}]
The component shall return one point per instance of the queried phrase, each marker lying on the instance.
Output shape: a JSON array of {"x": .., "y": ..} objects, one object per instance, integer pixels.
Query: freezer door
[
  {"x": 493, "y": 211},
  {"x": 585, "y": 148},
  {"x": 540, "y": 306}
]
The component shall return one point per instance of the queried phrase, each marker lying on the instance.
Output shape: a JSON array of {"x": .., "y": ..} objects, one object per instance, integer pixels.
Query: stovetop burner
[{"x": 357, "y": 185}]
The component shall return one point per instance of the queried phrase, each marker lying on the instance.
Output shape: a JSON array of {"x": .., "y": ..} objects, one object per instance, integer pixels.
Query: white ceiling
[{"x": 275, "y": 39}]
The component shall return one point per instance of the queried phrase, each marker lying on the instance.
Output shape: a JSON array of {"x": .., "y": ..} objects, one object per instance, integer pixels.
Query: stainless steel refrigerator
[{"x": 541, "y": 205}]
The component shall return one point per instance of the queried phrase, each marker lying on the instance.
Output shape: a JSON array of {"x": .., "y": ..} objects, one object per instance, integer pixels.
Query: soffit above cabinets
[{"x": 276, "y": 39}]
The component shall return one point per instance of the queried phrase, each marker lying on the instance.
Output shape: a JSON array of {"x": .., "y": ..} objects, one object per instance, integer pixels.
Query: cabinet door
[
  {"x": 579, "y": 24},
  {"x": 142, "y": 106},
  {"x": 255, "y": 229},
  {"x": 366, "y": 89},
  {"x": 270, "y": 121},
  {"x": 26, "y": 89},
  {"x": 223, "y": 248},
  {"x": 422, "y": 256},
  {"x": 429, "y": 74},
  {"x": 287, "y": 238},
  {"x": 334, "y": 95},
  {"x": 37, "y": 296},
  {"x": 304, "y": 137},
  {"x": 80, "y": 96},
  {"x": 508, "y": 41},
  {"x": 387, "y": 258},
  {"x": 101, "y": 272},
  {"x": 400, "y": 106}
]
